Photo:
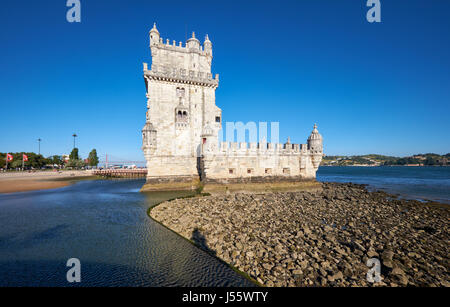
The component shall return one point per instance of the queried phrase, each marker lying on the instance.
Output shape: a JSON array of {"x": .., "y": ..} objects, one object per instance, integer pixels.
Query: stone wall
[
  {"x": 160, "y": 166},
  {"x": 261, "y": 161}
]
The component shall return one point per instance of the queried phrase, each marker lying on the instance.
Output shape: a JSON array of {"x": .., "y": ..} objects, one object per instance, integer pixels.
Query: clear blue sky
[{"x": 372, "y": 88}]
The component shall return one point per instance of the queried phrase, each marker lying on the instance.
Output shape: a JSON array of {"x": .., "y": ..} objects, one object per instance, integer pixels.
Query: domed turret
[
  {"x": 315, "y": 141},
  {"x": 154, "y": 35},
  {"x": 193, "y": 42}
]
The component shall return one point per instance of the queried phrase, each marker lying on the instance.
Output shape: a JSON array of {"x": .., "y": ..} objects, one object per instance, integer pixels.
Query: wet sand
[{"x": 12, "y": 182}]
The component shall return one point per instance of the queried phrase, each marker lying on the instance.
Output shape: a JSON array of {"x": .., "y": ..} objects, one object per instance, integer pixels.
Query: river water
[
  {"x": 426, "y": 182},
  {"x": 103, "y": 223}
]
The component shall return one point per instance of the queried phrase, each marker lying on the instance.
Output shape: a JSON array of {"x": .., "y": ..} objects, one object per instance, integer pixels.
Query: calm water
[
  {"x": 410, "y": 182},
  {"x": 104, "y": 224}
]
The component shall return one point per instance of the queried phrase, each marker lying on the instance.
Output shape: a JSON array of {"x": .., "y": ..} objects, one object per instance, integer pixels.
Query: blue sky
[{"x": 372, "y": 88}]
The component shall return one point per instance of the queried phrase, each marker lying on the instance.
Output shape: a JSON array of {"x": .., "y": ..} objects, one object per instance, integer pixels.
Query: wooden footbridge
[{"x": 121, "y": 173}]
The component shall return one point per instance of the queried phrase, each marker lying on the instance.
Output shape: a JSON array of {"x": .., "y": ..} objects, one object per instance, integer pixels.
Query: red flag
[
  {"x": 9, "y": 157},
  {"x": 25, "y": 158}
]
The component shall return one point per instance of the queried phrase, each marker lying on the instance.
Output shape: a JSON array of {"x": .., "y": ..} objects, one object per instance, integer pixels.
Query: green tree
[
  {"x": 2, "y": 160},
  {"x": 431, "y": 161},
  {"x": 80, "y": 163},
  {"x": 76, "y": 163},
  {"x": 93, "y": 159},
  {"x": 74, "y": 154},
  {"x": 36, "y": 161},
  {"x": 56, "y": 160},
  {"x": 74, "y": 160},
  {"x": 16, "y": 164}
]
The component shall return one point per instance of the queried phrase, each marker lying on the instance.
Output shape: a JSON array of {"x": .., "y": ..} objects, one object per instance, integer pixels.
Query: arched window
[{"x": 181, "y": 116}]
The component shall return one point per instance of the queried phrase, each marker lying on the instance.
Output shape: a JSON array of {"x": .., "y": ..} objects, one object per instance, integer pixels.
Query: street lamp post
[
  {"x": 74, "y": 136},
  {"x": 39, "y": 142}
]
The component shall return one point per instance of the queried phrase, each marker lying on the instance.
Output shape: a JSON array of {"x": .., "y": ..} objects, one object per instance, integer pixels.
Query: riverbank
[
  {"x": 11, "y": 182},
  {"x": 321, "y": 238}
]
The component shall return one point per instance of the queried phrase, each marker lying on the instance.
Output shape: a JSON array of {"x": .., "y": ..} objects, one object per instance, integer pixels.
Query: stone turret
[
  {"x": 208, "y": 46},
  {"x": 209, "y": 140},
  {"x": 315, "y": 141},
  {"x": 315, "y": 146},
  {"x": 149, "y": 138},
  {"x": 193, "y": 43},
  {"x": 288, "y": 144},
  {"x": 154, "y": 35}
]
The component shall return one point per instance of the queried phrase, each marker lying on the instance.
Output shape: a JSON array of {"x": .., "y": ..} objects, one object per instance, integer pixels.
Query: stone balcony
[{"x": 167, "y": 73}]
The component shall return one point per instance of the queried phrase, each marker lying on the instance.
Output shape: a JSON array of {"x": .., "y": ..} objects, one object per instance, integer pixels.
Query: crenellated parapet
[
  {"x": 262, "y": 148},
  {"x": 192, "y": 45},
  {"x": 173, "y": 46}
]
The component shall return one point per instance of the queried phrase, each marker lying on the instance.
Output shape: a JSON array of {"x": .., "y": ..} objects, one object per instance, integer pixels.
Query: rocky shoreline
[{"x": 321, "y": 238}]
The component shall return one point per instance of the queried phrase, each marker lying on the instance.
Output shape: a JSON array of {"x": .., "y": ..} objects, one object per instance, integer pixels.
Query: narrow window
[
  {"x": 249, "y": 171},
  {"x": 268, "y": 171},
  {"x": 217, "y": 119},
  {"x": 180, "y": 92},
  {"x": 231, "y": 171}
]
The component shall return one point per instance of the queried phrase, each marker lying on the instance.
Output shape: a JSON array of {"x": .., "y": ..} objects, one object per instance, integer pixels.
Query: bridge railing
[{"x": 121, "y": 173}]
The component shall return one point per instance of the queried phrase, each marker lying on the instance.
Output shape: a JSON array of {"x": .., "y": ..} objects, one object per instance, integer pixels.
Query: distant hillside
[{"x": 376, "y": 160}]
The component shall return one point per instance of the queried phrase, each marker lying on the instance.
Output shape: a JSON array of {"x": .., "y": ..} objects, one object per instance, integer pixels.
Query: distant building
[
  {"x": 442, "y": 161},
  {"x": 419, "y": 157}
]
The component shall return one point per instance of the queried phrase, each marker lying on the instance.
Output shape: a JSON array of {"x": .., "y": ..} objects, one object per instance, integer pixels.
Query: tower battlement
[
  {"x": 179, "y": 47},
  {"x": 244, "y": 148},
  {"x": 191, "y": 60}
]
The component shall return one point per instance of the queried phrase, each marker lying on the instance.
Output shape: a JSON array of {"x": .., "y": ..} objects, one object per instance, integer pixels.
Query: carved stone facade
[{"x": 180, "y": 137}]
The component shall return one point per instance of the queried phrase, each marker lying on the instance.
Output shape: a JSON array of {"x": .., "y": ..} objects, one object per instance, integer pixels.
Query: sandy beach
[{"x": 12, "y": 182}]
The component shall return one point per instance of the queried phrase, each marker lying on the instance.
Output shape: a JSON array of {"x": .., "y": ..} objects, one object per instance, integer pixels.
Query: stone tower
[
  {"x": 180, "y": 136},
  {"x": 180, "y": 105}
]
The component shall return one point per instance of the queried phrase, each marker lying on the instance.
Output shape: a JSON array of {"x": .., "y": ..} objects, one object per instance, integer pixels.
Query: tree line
[
  {"x": 38, "y": 161},
  {"x": 429, "y": 159}
]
